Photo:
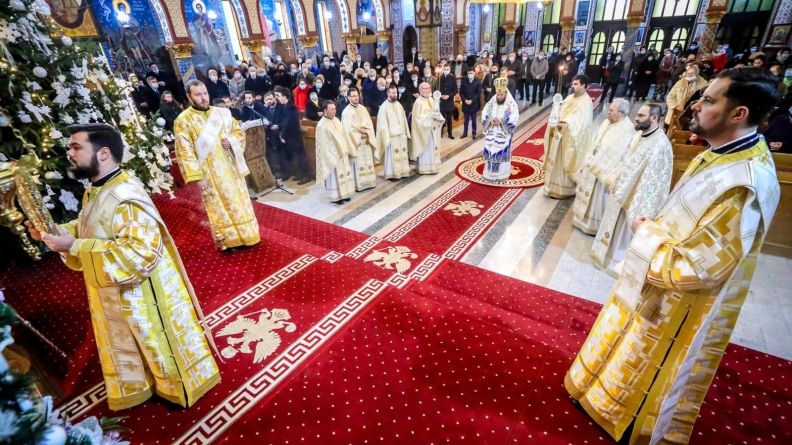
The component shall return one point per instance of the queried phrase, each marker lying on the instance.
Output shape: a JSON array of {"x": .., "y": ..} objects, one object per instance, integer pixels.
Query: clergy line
[
  {"x": 406, "y": 181},
  {"x": 247, "y": 396}
]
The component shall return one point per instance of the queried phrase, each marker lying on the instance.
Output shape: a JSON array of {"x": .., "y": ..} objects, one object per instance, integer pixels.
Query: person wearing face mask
[
  {"x": 306, "y": 75},
  {"x": 605, "y": 60},
  {"x": 346, "y": 62},
  {"x": 433, "y": 81},
  {"x": 411, "y": 85},
  {"x": 167, "y": 81},
  {"x": 646, "y": 76},
  {"x": 169, "y": 109},
  {"x": 512, "y": 66},
  {"x": 323, "y": 89},
  {"x": 692, "y": 49},
  {"x": 301, "y": 93},
  {"x": 282, "y": 77},
  {"x": 571, "y": 70},
  {"x": 664, "y": 71},
  {"x": 485, "y": 61},
  {"x": 523, "y": 76},
  {"x": 470, "y": 93},
  {"x": 538, "y": 71},
  {"x": 236, "y": 85},
  {"x": 358, "y": 125},
  {"x": 448, "y": 90},
  {"x": 377, "y": 96},
  {"x": 690, "y": 84},
  {"x": 638, "y": 57},
  {"x": 368, "y": 87},
  {"x": 783, "y": 58},
  {"x": 343, "y": 98},
  {"x": 313, "y": 108},
  {"x": 613, "y": 79},
  {"x": 459, "y": 69},
  {"x": 719, "y": 60},
  {"x": 406, "y": 100},
  {"x": 216, "y": 88},
  {"x": 487, "y": 86},
  {"x": 552, "y": 74},
  {"x": 332, "y": 77},
  {"x": 393, "y": 137},
  {"x": 397, "y": 77},
  {"x": 411, "y": 57},
  {"x": 379, "y": 61},
  {"x": 150, "y": 96}
]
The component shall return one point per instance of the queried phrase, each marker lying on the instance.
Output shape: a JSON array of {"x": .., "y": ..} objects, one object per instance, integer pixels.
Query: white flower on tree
[{"x": 68, "y": 200}]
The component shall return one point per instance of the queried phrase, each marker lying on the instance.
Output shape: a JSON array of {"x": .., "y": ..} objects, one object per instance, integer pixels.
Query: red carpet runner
[{"x": 451, "y": 353}]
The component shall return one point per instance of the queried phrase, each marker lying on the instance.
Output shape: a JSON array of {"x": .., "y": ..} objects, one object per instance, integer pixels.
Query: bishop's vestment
[
  {"x": 145, "y": 315},
  {"x": 565, "y": 146},
  {"x": 333, "y": 149},
  {"x": 356, "y": 119},
  {"x": 605, "y": 153},
  {"x": 638, "y": 188},
  {"x": 426, "y": 132},
  {"x": 655, "y": 347},
  {"x": 393, "y": 137},
  {"x": 498, "y": 138},
  {"x": 201, "y": 155}
]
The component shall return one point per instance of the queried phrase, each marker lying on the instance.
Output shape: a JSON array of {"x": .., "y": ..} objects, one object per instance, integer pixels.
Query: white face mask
[
  {"x": 252, "y": 75},
  {"x": 690, "y": 78},
  {"x": 213, "y": 77},
  {"x": 511, "y": 59},
  {"x": 470, "y": 77},
  {"x": 388, "y": 80},
  {"x": 372, "y": 77},
  {"x": 347, "y": 82},
  {"x": 366, "y": 67},
  {"x": 618, "y": 58},
  {"x": 401, "y": 90},
  {"x": 313, "y": 96},
  {"x": 318, "y": 85},
  {"x": 237, "y": 76}
]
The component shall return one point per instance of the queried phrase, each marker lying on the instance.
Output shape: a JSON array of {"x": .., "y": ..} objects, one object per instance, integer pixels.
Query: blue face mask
[
  {"x": 381, "y": 88},
  {"x": 470, "y": 77}
]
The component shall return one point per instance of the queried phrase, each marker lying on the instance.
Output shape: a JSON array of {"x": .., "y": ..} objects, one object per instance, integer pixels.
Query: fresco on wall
[
  {"x": 268, "y": 16},
  {"x": 428, "y": 13},
  {"x": 208, "y": 31},
  {"x": 130, "y": 29},
  {"x": 73, "y": 17}
]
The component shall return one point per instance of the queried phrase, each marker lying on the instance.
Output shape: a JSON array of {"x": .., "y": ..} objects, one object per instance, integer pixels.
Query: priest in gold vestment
[
  {"x": 210, "y": 151},
  {"x": 653, "y": 352},
  {"x": 393, "y": 137},
  {"x": 333, "y": 149},
  {"x": 638, "y": 187},
  {"x": 607, "y": 148},
  {"x": 427, "y": 126},
  {"x": 357, "y": 122},
  {"x": 565, "y": 146},
  {"x": 146, "y": 319}
]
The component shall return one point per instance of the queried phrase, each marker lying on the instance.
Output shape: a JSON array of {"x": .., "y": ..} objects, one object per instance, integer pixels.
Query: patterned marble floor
[{"x": 534, "y": 240}]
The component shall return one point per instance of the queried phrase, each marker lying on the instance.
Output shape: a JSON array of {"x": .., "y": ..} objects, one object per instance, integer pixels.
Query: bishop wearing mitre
[
  {"x": 638, "y": 187},
  {"x": 146, "y": 318},
  {"x": 427, "y": 126},
  {"x": 608, "y": 147},
  {"x": 565, "y": 146},
  {"x": 210, "y": 151},
  {"x": 357, "y": 121},
  {"x": 393, "y": 137},
  {"x": 499, "y": 119},
  {"x": 333, "y": 148}
]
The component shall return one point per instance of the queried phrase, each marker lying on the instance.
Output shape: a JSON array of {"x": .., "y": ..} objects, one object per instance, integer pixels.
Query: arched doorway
[{"x": 410, "y": 41}]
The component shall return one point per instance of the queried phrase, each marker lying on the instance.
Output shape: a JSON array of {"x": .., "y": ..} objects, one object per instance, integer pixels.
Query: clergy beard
[
  {"x": 643, "y": 126},
  {"x": 699, "y": 130},
  {"x": 84, "y": 172},
  {"x": 500, "y": 102},
  {"x": 199, "y": 107}
]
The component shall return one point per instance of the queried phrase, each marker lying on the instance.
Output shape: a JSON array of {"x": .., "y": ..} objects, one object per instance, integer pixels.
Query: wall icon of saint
[
  {"x": 204, "y": 38},
  {"x": 129, "y": 35}
]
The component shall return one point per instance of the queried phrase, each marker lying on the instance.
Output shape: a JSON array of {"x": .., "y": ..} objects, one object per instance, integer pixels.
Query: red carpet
[{"x": 447, "y": 353}]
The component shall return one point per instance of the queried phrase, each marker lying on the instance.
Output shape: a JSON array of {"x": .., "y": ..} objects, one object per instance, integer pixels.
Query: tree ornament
[
  {"x": 102, "y": 77},
  {"x": 40, "y": 72},
  {"x": 17, "y": 5},
  {"x": 4, "y": 121},
  {"x": 42, "y": 8},
  {"x": 66, "y": 40}
]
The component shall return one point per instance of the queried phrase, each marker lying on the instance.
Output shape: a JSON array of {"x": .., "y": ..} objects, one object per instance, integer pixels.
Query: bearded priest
[
  {"x": 652, "y": 354},
  {"x": 427, "y": 126},
  {"x": 610, "y": 144},
  {"x": 333, "y": 148},
  {"x": 393, "y": 137},
  {"x": 146, "y": 319},
  {"x": 357, "y": 121},
  {"x": 638, "y": 187},
  {"x": 210, "y": 151},
  {"x": 499, "y": 118},
  {"x": 565, "y": 146}
]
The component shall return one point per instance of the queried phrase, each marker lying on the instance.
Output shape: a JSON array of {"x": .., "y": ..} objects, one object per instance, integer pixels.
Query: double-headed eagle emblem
[
  {"x": 262, "y": 333},
  {"x": 394, "y": 258}
]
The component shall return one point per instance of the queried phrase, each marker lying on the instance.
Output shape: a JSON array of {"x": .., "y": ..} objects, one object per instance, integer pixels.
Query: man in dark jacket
[
  {"x": 470, "y": 93},
  {"x": 379, "y": 62},
  {"x": 167, "y": 81},
  {"x": 487, "y": 87},
  {"x": 252, "y": 110},
  {"x": 613, "y": 79},
  {"x": 332, "y": 78},
  {"x": 257, "y": 85},
  {"x": 291, "y": 139},
  {"x": 524, "y": 77},
  {"x": 271, "y": 109},
  {"x": 149, "y": 96},
  {"x": 504, "y": 72},
  {"x": 638, "y": 58},
  {"x": 406, "y": 100},
  {"x": 552, "y": 74},
  {"x": 342, "y": 101},
  {"x": 448, "y": 89},
  {"x": 216, "y": 88},
  {"x": 606, "y": 60}
]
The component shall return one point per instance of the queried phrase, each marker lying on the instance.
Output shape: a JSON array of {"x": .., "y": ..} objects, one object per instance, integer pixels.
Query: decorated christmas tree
[{"x": 48, "y": 82}]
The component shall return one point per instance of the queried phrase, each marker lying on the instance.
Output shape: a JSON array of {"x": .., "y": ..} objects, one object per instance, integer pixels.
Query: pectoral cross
[{"x": 288, "y": 49}]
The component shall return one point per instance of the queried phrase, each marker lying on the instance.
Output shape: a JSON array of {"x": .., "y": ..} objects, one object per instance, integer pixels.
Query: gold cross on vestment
[
  {"x": 655, "y": 313},
  {"x": 169, "y": 281},
  {"x": 147, "y": 227},
  {"x": 632, "y": 279},
  {"x": 655, "y": 231},
  {"x": 709, "y": 189},
  {"x": 673, "y": 227}
]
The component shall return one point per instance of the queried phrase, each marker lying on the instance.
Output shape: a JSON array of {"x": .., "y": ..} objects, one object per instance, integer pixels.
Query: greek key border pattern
[
  {"x": 260, "y": 385},
  {"x": 84, "y": 402},
  {"x": 472, "y": 234},
  {"x": 426, "y": 212},
  {"x": 363, "y": 247}
]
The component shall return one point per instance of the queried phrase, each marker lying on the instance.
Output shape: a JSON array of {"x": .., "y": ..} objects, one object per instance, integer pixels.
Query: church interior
[{"x": 446, "y": 287}]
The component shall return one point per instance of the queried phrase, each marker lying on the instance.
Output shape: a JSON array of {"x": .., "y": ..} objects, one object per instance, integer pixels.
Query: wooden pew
[
  {"x": 679, "y": 137},
  {"x": 683, "y": 154},
  {"x": 674, "y": 122},
  {"x": 309, "y": 140},
  {"x": 778, "y": 240}
]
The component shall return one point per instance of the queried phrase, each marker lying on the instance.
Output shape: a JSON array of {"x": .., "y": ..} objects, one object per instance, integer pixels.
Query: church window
[
  {"x": 656, "y": 38},
  {"x": 233, "y": 30},
  {"x": 324, "y": 26},
  {"x": 618, "y": 41},
  {"x": 679, "y": 36},
  {"x": 548, "y": 43},
  {"x": 552, "y": 13},
  {"x": 597, "y": 48},
  {"x": 611, "y": 10},
  {"x": 675, "y": 8},
  {"x": 750, "y": 5},
  {"x": 282, "y": 17}
]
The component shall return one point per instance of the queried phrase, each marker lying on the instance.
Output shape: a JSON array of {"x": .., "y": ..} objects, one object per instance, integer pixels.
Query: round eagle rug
[{"x": 525, "y": 173}]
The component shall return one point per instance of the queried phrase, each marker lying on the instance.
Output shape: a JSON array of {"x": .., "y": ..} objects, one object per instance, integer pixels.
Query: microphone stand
[{"x": 278, "y": 184}]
